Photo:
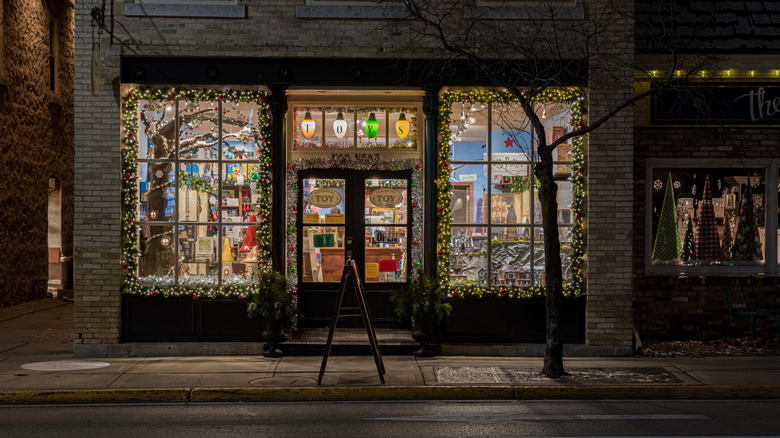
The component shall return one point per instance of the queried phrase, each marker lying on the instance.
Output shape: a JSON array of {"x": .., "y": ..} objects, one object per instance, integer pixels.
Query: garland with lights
[
  {"x": 343, "y": 162},
  {"x": 194, "y": 286},
  {"x": 576, "y": 286}
]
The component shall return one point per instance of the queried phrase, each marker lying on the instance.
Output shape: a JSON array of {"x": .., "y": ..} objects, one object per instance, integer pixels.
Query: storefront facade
[{"x": 287, "y": 158}]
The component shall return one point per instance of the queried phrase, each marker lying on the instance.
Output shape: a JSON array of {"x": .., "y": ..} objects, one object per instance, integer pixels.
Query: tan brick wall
[
  {"x": 36, "y": 142},
  {"x": 610, "y": 196},
  {"x": 272, "y": 30}
]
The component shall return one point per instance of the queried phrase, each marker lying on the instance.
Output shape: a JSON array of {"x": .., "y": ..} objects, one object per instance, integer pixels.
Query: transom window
[{"x": 350, "y": 127}]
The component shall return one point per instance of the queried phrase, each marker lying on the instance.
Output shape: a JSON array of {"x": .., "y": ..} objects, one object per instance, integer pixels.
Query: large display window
[
  {"x": 712, "y": 218},
  {"x": 197, "y": 185},
  {"x": 495, "y": 237}
]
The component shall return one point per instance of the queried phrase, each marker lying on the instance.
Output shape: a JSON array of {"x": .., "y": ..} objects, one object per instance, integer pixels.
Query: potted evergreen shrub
[
  {"x": 422, "y": 301},
  {"x": 276, "y": 305}
]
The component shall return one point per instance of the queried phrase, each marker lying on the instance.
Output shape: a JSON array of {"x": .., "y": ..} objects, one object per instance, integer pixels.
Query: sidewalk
[{"x": 37, "y": 366}]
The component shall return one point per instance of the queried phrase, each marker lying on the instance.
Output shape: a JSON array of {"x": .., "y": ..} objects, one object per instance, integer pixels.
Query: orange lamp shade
[{"x": 308, "y": 125}]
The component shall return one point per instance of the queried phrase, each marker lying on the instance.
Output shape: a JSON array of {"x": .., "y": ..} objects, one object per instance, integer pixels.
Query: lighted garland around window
[
  {"x": 370, "y": 163},
  {"x": 444, "y": 234},
  {"x": 130, "y": 154}
]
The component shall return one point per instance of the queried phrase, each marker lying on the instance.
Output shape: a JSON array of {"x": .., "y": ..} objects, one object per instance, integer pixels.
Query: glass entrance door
[{"x": 353, "y": 214}]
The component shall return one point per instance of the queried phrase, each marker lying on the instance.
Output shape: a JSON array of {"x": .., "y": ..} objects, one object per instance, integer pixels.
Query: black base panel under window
[
  {"x": 511, "y": 321},
  {"x": 159, "y": 319}
]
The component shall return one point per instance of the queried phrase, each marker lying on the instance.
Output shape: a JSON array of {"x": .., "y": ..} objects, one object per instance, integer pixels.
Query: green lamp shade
[{"x": 372, "y": 126}]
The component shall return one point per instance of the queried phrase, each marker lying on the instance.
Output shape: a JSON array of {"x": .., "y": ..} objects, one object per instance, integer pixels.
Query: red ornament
[
  {"x": 129, "y": 222},
  {"x": 577, "y": 266},
  {"x": 414, "y": 205},
  {"x": 373, "y": 167},
  {"x": 295, "y": 291},
  {"x": 414, "y": 242},
  {"x": 445, "y": 164},
  {"x": 128, "y": 177},
  {"x": 194, "y": 298},
  {"x": 441, "y": 253},
  {"x": 447, "y": 122},
  {"x": 292, "y": 166},
  {"x": 576, "y": 217},
  {"x": 417, "y": 166},
  {"x": 173, "y": 95},
  {"x": 454, "y": 293},
  {"x": 264, "y": 181},
  {"x": 130, "y": 134},
  {"x": 127, "y": 266},
  {"x": 292, "y": 248},
  {"x": 333, "y": 166},
  {"x": 441, "y": 209},
  {"x": 579, "y": 170},
  {"x": 129, "y": 94},
  {"x": 154, "y": 293},
  {"x": 295, "y": 208},
  {"x": 262, "y": 98},
  {"x": 263, "y": 262},
  {"x": 262, "y": 215},
  {"x": 503, "y": 291},
  {"x": 579, "y": 123},
  {"x": 220, "y": 98}
]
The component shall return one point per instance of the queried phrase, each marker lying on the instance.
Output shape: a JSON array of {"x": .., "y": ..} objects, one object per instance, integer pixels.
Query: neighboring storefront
[{"x": 708, "y": 156}]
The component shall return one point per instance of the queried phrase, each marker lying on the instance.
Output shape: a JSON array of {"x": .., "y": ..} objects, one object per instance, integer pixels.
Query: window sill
[
  {"x": 353, "y": 12},
  {"x": 526, "y": 13},
  {"x": 184, "y": 10},
  {"x": 705, "y": 271}
]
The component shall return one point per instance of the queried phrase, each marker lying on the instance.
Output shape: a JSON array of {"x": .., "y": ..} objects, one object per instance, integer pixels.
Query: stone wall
[{"x": 36, "y": 143}]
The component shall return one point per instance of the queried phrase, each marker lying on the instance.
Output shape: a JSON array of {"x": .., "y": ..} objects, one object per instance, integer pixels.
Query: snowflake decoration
[
  {"x": 253, "y": 185},
  {"x": 159, "y": 174},
  {"x": 657, "y": 184},
  {"x": 212, "y": 200},
  {"x": 754, "y": 182},
  {"x": 758, "y": 201},
  {"x": 693, "y": 190},
  {"x": 677, "y": 184}
]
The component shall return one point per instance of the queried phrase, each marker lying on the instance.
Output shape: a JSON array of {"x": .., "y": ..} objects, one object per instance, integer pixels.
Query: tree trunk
[{"x": 548, "y": 197}]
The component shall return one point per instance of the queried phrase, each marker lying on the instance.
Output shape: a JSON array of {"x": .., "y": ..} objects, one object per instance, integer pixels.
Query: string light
[
  {"x": 195, "y": 286},
  {"x": 576, "y": 285}
]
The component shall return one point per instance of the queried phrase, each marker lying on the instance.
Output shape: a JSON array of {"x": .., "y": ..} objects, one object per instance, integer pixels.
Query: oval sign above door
[
  {"x": 324, "y": 198},
  {"x": 386, "y": 197}
]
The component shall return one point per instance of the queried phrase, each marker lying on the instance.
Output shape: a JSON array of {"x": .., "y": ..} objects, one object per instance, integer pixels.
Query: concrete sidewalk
[{"x": 37, "y": 366}]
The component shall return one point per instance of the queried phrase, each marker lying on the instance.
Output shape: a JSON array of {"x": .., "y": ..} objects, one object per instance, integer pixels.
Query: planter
[
  {"x": 423, "y": 333},
  {"x": 272, "y": 336}
]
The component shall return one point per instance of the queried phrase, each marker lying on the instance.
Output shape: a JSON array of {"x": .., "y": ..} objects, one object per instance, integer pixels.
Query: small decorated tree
[
  {"x": 422, "y": 300},
  {"x": 688, "y": 248},
  {"x": 667, "y": 239}
]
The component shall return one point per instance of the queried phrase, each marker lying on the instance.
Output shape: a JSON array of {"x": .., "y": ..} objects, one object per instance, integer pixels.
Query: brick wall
[
  {"x": 36, "y": 143},
  {"x": 689, "y": 308}
]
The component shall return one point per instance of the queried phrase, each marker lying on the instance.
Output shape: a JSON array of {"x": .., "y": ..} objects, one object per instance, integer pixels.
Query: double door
[{"x": 357, "y": 214}]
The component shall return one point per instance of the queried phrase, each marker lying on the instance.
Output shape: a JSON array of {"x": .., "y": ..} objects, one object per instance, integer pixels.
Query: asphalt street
[{"x": 397, "y": 419}]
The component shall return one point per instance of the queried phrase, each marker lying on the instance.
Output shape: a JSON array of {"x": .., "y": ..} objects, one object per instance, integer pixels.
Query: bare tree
[{"x": 544, "y": 49}]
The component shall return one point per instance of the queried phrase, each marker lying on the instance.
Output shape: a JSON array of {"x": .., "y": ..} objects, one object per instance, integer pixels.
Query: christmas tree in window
[{"x": 667, "y": 239}]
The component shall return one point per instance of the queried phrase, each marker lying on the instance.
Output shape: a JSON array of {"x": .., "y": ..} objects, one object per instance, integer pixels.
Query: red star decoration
[{"x": 508, "y": 142}]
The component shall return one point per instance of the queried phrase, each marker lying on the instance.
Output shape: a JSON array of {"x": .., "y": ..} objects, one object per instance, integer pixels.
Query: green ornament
[
  {"x": 295, "y": 187},
  {"x": 292, "y": 269}
]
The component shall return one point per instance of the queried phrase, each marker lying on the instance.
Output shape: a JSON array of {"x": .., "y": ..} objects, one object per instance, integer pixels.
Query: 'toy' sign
[
  {"x": 324, "y": 198},
  {"x": 386, "y": 197}
]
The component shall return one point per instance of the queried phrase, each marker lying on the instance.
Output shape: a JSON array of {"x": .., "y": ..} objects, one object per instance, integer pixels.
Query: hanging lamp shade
[
  {"x": 372, "y": 126},
  {"x": 340, "y": 125},
  {"x": 250, "y": 238},
  {"x": 308, "y": 125},
  {"x": 402, "y": 126}
]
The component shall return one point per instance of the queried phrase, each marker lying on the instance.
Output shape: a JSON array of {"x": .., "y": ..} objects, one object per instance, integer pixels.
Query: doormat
[{"x": 487, "y": 375}]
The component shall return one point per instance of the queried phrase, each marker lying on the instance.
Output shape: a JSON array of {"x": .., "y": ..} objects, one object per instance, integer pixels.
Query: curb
[{"x": 352, "y": 393}]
